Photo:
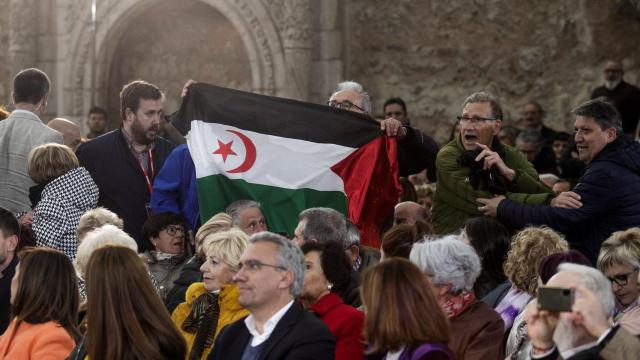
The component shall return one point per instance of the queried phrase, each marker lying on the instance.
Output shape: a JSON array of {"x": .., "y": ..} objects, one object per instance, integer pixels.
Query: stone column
[
  {"x": 327, "y": 66},
  {"x": 296, "y": 34},
  {"x": 23, "y": 28}
]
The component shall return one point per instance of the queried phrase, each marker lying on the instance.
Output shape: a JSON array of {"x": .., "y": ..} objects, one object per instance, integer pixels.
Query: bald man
[
  {"x": 69, "y": 130},
  {"x": 409, "y": 212},
  {"x": 624, "y": 96}
]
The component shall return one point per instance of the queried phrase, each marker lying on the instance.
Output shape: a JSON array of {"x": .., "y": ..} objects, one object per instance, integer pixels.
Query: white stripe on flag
[{"x": 282, "y": 162}]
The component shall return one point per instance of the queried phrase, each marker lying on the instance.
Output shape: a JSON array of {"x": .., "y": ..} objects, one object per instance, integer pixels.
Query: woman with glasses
[
  {"x": 165, "y": 248},
  {"x": 619, "y": 260},
  {"x": 213, "y": 303}
]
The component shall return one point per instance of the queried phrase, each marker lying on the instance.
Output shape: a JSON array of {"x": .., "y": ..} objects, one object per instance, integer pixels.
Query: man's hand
[
  {"x": 541, "y": 324},
  {"x": 492, "y": 158},
  {"x": 393, "y": 127},
  {"x": 567, "y": 200},
  {"x": 587, "y": 312},
  {"x": 185, "y": 88},
  {"x": 490, "y": 206}
]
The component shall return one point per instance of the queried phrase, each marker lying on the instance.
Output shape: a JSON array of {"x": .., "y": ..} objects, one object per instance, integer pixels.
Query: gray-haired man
[
  {"x": 270, "y": 279},
  {"x": 416, "y": 151},
  {"x": 609, "y": 189}
]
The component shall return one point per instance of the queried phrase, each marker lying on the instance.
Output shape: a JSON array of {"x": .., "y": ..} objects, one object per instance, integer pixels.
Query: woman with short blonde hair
[
  {"x": 68, "y": 191},
  {"x": 619, "y": 260},
  {"x": 191, "y": 270},
  {"x": 212, "y": 304},
  {"x": 96, "y": 218},
  {"x": 47, "y": 162}
]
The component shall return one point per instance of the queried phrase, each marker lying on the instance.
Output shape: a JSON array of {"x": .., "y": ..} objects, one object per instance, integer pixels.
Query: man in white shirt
[
  {"x": 270, "y": 279},
  {"x": 19, "y": 133}
]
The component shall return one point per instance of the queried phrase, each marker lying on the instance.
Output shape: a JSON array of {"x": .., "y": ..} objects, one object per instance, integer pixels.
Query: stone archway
[
  {"x": 248, "y": 21},
  {"x": 164, "y": 51}
]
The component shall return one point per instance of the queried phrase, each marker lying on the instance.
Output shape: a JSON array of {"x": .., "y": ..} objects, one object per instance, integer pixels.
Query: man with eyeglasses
[
  {"x": 606, "y": 198},
  {"x": 270, "y": 280},
  {"x": 416, "y": 151},
  {"x": 476, "y": 164}
]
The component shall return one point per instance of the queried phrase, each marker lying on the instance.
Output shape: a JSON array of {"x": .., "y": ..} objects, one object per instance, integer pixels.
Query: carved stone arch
[{"x": 250, "y": 18}]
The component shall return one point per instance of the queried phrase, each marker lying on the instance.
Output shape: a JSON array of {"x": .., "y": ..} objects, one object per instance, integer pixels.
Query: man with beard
[
  {"x": 124, "y": 162},
  {"x": 585, "y": 332},
  {"x": 624, "y": 96}
]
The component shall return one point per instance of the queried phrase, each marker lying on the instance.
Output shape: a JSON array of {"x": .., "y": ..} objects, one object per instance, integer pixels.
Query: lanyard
[{"x": 144, "y": 171}]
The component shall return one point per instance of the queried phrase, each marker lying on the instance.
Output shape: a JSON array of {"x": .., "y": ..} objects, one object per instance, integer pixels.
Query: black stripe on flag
[{"x": 275, "y": 116}]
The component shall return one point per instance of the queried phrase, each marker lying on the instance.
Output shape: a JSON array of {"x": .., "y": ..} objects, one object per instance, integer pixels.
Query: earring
[{"x": 329, "y": 286}]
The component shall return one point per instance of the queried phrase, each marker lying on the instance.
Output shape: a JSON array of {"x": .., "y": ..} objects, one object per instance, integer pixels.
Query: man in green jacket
[{"x": 475, "y": 164}]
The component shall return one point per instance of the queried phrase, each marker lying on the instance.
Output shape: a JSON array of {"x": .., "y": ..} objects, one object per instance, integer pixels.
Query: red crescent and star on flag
[{"x": 225, "y": 150}]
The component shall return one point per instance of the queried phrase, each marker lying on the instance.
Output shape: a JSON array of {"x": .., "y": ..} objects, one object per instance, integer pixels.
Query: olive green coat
[{"x": 455, "y": 199}]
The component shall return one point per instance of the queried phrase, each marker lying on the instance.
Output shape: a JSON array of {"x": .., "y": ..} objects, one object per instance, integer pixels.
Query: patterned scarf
[
  {"x": 203, "y": 321},
  {"x": 456, "y": 304}
]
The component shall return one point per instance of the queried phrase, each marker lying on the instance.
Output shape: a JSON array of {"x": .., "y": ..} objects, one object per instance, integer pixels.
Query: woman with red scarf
[{"x": 477, "y": 331}]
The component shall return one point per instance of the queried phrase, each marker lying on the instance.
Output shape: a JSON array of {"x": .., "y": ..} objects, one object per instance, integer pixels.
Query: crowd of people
[{"x": 504, "y": 243}]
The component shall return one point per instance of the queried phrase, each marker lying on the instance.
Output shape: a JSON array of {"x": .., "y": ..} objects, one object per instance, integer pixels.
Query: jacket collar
[
  {"x": 228, "y": 298},
  {"x": 326, "y": 304}
]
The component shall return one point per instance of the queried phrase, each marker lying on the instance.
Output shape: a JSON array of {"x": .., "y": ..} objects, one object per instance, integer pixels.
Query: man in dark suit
[
  {"x": 270, "y": 279},
  {"x": 624, "y": 96},
  {"x": 124, "y": 162}
]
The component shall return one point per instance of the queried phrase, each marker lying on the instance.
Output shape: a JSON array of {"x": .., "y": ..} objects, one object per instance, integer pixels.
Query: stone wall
[
  {"x": 175, "y": 42},
  {"x": 5, "y": 79},
  {"x": 435, "y": 53}
]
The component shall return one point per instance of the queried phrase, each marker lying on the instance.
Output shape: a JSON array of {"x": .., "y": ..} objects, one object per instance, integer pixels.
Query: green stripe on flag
[{"x": 217, "y": 191}]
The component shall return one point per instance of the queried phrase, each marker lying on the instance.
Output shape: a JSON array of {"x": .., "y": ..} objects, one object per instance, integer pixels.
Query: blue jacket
[
  {"x": 174, "y": 189},
  {"x": 610, "y": 191}
]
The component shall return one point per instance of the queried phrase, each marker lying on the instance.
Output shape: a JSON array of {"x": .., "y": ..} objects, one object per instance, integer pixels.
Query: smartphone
[{"x": 557, "y": 299}]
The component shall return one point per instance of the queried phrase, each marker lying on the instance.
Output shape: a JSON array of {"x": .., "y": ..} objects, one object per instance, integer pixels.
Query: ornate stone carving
[{"x": 262, "y": 42}]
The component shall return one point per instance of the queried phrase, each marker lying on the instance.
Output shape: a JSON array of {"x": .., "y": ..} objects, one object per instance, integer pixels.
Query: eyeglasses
[
  {"x": 256, "y": 265},
  {"x": 173, "y": 230},
  {"x": 345, "y": 105},
  {"x": 622, "y": 279},
  {"x": 474, "y": 120}
]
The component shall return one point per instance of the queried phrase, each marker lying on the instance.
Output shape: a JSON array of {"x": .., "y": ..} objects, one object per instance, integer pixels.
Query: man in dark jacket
[
  {"x": 270, "y": 279},
  {"x": 416, "y": 151},
  {"x": 608, "y": 193},
  {"x": 623, "y": 95},
  {"x": 124, "y": 162}
]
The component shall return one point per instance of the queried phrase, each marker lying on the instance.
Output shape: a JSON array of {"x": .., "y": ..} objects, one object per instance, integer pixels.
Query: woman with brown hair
[
  {"x": 402, "y": 317},
  {"x": 68, "y": 191},
  {"x": 44, "y": 299},
  {"x": 125, "y": 316}
]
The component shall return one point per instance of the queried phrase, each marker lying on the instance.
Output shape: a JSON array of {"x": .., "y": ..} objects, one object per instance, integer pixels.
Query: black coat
[
  {"x": 123, "y": 188},
  {"x": 298, "y": 335},
  {"x": 416, "y": 152},
  {"x": 610, "y": 191},
  {"x": 189, "y": 274}
]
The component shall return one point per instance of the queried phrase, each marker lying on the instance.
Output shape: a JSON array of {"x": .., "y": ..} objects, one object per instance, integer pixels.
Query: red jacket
[{"x": 345, "y": 323}]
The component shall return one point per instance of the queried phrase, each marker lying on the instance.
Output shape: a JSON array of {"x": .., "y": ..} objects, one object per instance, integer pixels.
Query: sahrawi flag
[{"x": 289, "y": 156}]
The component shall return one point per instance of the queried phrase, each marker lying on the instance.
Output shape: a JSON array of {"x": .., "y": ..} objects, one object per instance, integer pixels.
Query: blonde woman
[
  {"x": 619, "y": 260},
  {"x": 528, "y": 247},
  {"x": 212, "y": 304},
  {"x": 191, "y": 270},
  {"x": 94, "y": 219}
]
